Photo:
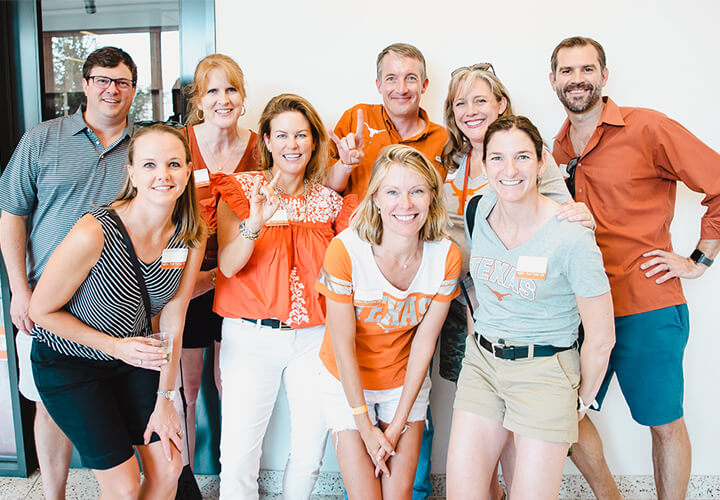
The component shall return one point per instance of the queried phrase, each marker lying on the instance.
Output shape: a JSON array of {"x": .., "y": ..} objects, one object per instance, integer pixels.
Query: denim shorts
[{"x": 648, "y": 361}]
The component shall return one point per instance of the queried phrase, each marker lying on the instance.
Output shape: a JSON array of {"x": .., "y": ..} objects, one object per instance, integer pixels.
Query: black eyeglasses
[
  {"x": 570, "y": 181},
  {"x": 475, "y": 67},
  {"x": 103, "y": 82}
]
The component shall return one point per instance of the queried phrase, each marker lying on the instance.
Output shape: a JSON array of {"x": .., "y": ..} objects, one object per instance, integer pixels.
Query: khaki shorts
[{"x": 536, "y": 398}]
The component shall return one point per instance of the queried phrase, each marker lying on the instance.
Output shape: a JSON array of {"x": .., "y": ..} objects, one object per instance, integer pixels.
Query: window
[{"x": 149, "y": 33}]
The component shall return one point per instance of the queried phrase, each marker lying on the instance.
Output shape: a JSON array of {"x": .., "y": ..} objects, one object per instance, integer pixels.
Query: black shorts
[
  {"x": 103, "y": 407},
  {"x": 202, "y": 325}
]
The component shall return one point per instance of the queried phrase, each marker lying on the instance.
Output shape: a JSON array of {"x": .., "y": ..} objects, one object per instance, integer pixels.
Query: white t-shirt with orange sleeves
[{"x": 386, "y": 317}]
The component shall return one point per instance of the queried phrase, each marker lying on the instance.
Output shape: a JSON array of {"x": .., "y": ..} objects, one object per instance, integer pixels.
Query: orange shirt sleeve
[
  {"x": 342, "y": 221},
  {"x": 682, "y": 156},
  {"x": 450, "y": 287},
  {"x": 335, "y": 279},
  {"x": 228, "y": 188}
]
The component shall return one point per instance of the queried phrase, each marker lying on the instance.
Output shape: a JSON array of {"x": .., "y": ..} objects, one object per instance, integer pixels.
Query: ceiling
[{"x": 72, "y": 15}]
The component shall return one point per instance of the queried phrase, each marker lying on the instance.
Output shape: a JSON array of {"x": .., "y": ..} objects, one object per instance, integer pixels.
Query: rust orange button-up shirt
[
  {"x": 379, "y": 132},
  {"x": 627, "y": 176}
]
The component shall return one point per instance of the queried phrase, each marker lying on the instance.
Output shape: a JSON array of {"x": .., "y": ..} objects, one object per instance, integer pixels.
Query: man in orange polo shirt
[
  {"x": 365, "y": 129},
  {"x": 624, "y": 164}
]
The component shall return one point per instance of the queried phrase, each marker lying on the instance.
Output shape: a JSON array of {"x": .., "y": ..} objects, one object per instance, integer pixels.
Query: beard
[{"x": 587, "y": 102}]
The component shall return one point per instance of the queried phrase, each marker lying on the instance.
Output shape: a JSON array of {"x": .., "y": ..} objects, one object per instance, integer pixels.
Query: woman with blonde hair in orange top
[
  {"x": 388, "y": 281},
  {"x": 218, "y": 145},
  {"x": 273, "y": 229}
]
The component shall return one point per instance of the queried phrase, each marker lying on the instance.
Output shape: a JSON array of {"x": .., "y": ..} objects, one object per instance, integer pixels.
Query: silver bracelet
[{"x": 247, "y": 234}]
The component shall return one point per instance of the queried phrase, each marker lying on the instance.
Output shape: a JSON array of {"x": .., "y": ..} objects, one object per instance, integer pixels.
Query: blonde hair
[
  {"x": 367, "y": 221},
  {"x": 401, "y": 50},
  {"x": 198, "y": 87},
  {"x": 458, "y": 144},
  {"x": 317, "y": 166},
  {"x": 186, "y": 214}
]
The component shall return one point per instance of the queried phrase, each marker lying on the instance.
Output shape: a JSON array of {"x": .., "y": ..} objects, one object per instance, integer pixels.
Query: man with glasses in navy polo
[
  {"x": 61, "y": 169},
  {"x": 624, "y": 164}
]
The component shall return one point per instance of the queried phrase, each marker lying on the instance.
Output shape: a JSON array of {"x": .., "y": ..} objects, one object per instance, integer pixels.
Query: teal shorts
[{"x": 648, "y": 361}]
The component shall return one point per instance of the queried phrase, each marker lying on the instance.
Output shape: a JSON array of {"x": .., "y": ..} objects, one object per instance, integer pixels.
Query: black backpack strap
[{"x": 470, "y": 210}]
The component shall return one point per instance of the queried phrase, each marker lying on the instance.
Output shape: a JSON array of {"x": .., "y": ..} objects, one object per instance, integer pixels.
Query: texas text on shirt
[{"x": 386, "y": 316}]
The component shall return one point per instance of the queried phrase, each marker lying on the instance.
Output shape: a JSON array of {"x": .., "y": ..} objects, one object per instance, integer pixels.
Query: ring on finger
[{"x": 139, "y": 362}]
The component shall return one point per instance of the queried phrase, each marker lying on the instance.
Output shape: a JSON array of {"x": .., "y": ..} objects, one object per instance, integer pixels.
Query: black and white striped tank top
[{"x": 109, "y": 299}]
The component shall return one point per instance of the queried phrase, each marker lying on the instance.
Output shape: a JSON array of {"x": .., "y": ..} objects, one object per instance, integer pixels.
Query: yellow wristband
[{"x": 359, "y": 410}]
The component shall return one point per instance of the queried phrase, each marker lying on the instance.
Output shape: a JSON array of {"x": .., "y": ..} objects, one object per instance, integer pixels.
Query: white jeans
[{"x": 253, "y": 361}]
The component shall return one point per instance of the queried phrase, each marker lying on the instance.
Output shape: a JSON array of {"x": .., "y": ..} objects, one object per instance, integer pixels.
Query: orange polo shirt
[
  {"x": 379, "y": 132},
  {"x": 627, "y": 176}
]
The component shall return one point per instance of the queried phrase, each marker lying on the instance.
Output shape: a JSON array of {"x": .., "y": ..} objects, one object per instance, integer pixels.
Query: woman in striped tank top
[{"x": 106, "y": 385}]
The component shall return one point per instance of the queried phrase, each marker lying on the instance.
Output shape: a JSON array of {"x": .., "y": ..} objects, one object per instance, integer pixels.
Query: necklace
[
  {"x": 408, "y": 259},
  {"x": 293, "y": 214},
  {"x": 226, "y": 160}
]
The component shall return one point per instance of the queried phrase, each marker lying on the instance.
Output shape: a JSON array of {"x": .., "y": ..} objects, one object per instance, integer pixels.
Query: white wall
[{"x": 662, "y": 54}]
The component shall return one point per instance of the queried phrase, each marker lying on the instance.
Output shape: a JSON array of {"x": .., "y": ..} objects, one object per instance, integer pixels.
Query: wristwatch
[
  {"x": 169, "y": 395},
  {"x": 585, "y": 407},
  {"x": 700, "y": 258}
]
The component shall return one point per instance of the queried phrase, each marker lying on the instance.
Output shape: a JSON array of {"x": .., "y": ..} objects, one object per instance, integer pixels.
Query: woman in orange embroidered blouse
[{"x": 273, "y": 229}]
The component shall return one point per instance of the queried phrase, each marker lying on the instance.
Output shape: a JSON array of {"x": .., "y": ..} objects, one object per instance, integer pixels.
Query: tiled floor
[{"x": 82, "y": 486}]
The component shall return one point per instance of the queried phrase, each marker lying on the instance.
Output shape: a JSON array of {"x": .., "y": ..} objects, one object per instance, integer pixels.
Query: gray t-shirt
[
  {"x": 551, "y": 185},
  {"x": 535, "y": 311},
  {"x": 58, "y": 171}
]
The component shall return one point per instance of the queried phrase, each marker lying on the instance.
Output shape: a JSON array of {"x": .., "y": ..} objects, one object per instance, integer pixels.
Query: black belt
[
  {"x": 502, "y": 351},
  {"x": 270, "y": 323}
]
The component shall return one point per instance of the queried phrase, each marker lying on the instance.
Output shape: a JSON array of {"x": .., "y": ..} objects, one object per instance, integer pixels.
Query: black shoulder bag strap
[
  {"x": 134, "y": 262},
  {"x": 187, "y": 485},
  {"x": 470, "y": 211}
]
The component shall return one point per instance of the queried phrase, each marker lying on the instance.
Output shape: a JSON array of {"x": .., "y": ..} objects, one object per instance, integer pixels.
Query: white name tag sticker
[
  {"x": 534, "y": 268},
  {"x": 202, "y": 177},
  {"x": 174, "y": 258},
  {"x": 279, "y": 218}
]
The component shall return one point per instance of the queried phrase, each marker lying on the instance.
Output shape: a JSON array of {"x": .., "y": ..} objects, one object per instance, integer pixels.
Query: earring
[
  {"x": 378, "y": 209},
  {"x": 201, "y": 114},
  {"x": 242, "y": 113}
]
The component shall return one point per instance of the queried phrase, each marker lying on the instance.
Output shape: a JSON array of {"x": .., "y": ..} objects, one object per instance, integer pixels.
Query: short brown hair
[
  {"x": 317, "y": 166},
  {"x": 109, "y": 57},
  {"x": 401, "y": 50},
  {"x": 198, "y": 87},
  {"x": 577, "y": 41},
  {"x": 186, "y": 214},
  {"x": 514, "y": 122},
  {"x": 367, "y": 221}
]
